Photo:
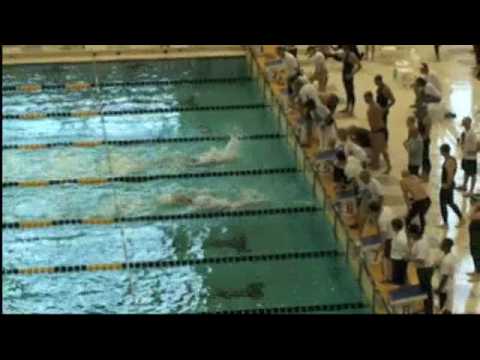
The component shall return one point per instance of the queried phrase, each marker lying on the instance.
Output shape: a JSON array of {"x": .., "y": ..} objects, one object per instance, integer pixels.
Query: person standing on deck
[
  {"x": 433, "y": 79},
  {"x": 319, "y": 116},
  {"x": 293, "y": 67},
  {"x": 378, "y": 133},
  {"x": 385, "y": 99},
  {"x": 425, "y": 93},
  {"x": 414, "y": 147},
  {"x": 468, "y": 142},
  {"x": 399, "y": 253},
  {"x": 416, "y": 198},
  {"x": 437, "y": 51},
  {"x": 476, "y": 49},
  {"x": 383, "y": 218},
  {"x": 447, "y": 272},
  {"x": 321, "y": 72},
  {"x": 449, "y": 170},
  {"x": 351, "y": 66},
  {"x": 474, "y": 230},
  {"x": 369, "y": 190},
  {"x": 423, "y": 257}
]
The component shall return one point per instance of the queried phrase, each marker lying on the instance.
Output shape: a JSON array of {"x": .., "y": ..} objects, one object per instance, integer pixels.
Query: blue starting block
[
  {"x": 372, "y": 243},
  {"x": 406, "y": 296}
]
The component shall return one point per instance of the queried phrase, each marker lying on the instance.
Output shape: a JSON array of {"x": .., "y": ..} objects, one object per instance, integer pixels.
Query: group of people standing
[{"x": 405, "y": 239}]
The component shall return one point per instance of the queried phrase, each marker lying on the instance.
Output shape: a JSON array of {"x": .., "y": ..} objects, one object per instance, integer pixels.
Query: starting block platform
[
  {"x": 372, "y": 243},
  {"x": 406, "y": 297}
]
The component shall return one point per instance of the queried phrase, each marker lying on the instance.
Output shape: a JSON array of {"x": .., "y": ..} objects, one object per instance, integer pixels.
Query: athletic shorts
[{"x": 470, "y": 167}]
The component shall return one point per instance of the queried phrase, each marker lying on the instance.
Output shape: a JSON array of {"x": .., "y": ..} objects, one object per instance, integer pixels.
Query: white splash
[
  {"x": 124, "y": 165},
  {"x": 202, "y": 200},
  {"x": 217, "y": 156}
]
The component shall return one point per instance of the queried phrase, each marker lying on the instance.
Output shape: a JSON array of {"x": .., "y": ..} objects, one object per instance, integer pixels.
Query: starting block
[
  {"x": 372, "y": 243},
  {"x": 405, "y": 297},
  {"x": 325, "y": 158},
  {"x": 346, "y": 205}
]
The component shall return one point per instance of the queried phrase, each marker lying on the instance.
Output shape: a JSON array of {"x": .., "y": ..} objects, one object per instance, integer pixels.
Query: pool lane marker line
[
  {"x": 81, "y": 86},
  {"x": 293, "y": 309},
  {"x": 172, "y": 263},
  {"x": 134, "y": 142},
  {"x": 94, "y": 113},
  {"x": 143, "y": 179},
  {"x": 33, "y": 224}
]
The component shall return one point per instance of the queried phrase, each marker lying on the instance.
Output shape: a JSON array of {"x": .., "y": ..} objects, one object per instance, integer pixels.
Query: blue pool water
[{"x": 178, "y": 289}]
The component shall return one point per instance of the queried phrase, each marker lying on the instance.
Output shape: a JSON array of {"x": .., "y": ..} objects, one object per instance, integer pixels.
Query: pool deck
[
  {"x": 375, "y": 269},
  {"x": 48, "y": 54}
]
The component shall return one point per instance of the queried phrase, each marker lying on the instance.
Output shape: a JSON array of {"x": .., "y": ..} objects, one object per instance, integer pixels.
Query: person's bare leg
[
  {"x": 375, "y": 163},
  {"x": 386, "y": 156}
]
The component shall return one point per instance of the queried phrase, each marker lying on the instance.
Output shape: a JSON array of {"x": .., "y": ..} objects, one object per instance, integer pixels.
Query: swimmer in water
[
  {"x": 207, "y": 202},
  {"x": 239, "y": 243},
  {"x": 124, "y": 165},
  {"x": 202, "y": 201},
  {"x": 215, "y": 156},
  {"x": 253, "y": 291}
]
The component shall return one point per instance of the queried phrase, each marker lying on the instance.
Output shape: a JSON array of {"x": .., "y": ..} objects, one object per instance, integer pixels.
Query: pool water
[{"x": 190, "y": 289}]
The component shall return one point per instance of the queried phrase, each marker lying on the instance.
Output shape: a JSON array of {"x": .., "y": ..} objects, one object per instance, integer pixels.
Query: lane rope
[
  {"x": 293, "y": 309},
  {"x": 159, "y": 264},
  {"x": 153, "y": 218},
  {"x": 143, "y": 179},
  {"x": 81, "y": 86},
  {"x": 95, "y": 113},
  {"x": 134, "y": 142}
]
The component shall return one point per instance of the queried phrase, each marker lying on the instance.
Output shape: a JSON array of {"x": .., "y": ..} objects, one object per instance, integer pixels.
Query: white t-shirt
[
  {"x": 320, "y": 114},
  {"x": 309, "y": 92},
  {"x": 422, "y": 250},
  {"x": 470, "y": 146},
  {"x": 385, "y": 222},
  {"x": 351, "y": 148},
  {"x": 434, "y": 80},
  {"x": 319, "y": 62},
  {"x": 400, "y": 249},
  {"x": 431, "y": 90},
  {"x": 292, "y": 64},
  {"x": 447, "y": 268},
  {"x": 374, "y": 189},
  {"x": 353, "y": 168}
]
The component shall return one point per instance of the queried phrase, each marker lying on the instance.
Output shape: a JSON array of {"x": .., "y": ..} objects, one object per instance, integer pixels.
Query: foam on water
[
  {"x": 178, "y": 162},
  {"x": 204, "y": 200}
]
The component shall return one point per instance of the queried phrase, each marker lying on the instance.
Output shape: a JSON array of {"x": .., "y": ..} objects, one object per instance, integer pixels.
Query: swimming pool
[{"x": 86, "y": 230}]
